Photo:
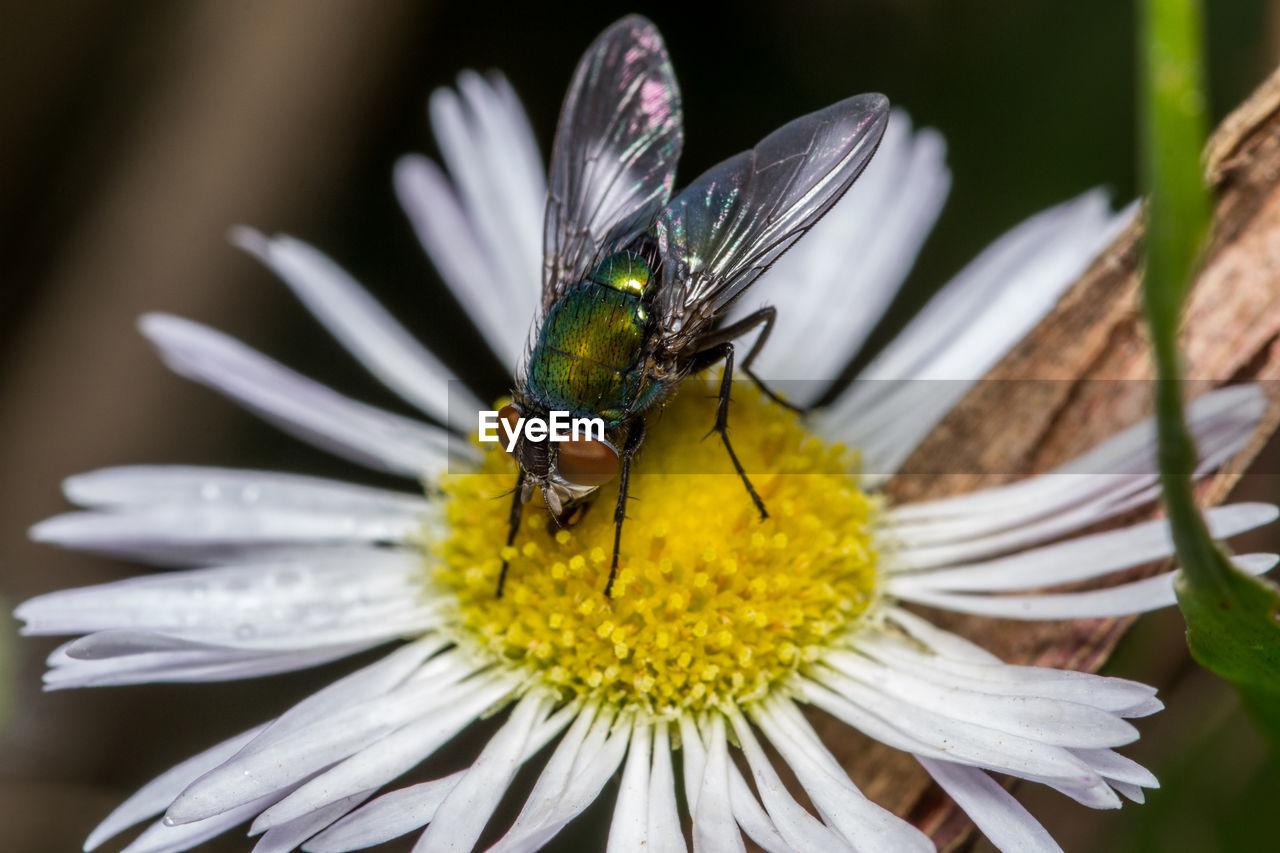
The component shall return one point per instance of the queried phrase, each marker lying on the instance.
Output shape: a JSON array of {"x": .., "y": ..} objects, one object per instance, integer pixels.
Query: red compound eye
[
  {"x": 587, "y": 462},
  {"x": 510, "y": 417}
]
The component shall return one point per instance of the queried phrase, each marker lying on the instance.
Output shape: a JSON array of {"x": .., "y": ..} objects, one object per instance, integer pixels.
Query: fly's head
[{"x": 566, "y": 472}]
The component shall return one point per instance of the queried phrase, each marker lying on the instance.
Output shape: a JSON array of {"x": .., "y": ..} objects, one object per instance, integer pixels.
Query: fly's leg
[
  {"x": 704, "y": 359},
  {"x": 517, "y": 507},
  {"x": 765, "y": 317},
  {"x": 634, "y": 437}
]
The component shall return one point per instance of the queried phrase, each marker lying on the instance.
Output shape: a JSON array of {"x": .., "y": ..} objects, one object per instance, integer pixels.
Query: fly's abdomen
[{"x": 591, "y": 341}]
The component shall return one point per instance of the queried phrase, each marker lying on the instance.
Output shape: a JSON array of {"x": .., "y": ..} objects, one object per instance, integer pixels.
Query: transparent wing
[
  {"x": 615, "y": 151},
  {"x": 727, "y": 227}
]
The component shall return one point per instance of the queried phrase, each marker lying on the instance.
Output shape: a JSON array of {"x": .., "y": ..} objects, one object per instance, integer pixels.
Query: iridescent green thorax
[{"x": 590, "y": 345}]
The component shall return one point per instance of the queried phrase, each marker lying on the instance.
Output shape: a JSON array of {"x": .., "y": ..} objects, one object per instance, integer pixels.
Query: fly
[{"x": 635, "y": 283}]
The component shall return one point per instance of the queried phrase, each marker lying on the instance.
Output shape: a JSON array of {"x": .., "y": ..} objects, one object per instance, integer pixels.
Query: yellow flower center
[{"x": 712, "y": 604}]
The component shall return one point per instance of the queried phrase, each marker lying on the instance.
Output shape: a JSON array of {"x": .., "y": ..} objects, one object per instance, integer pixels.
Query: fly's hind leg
[
  {"x": 765, "y": 318},
  {"x": 704, "y": 359},
  {"x": 634, "y": 437}
]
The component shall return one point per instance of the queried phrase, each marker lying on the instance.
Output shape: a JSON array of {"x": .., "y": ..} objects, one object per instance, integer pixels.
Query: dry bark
[{"x": 1096, "y": 332}]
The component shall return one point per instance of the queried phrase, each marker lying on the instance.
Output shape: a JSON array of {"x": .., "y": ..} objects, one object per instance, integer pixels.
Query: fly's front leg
[
  {"x": 634, "y": 437},
  {"x": 517, "y": 508},
  {"x": 705, "y": 359},
  {"x": 765, "y": 317}
]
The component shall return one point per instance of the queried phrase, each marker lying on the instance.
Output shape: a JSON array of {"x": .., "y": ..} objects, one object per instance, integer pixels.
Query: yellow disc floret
[{"x": 712, "y": 604}]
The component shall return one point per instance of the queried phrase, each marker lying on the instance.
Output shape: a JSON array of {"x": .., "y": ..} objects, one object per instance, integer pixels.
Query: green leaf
[{"x": 1231, "y": 616}]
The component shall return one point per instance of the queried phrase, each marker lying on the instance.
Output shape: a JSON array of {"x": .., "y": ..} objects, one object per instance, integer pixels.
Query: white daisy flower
[{"x": 722, "y": 628}]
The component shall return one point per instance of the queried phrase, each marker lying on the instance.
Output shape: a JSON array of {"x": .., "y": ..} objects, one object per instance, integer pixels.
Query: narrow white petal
[
  {"x": 389, "y": 816},
  {"x": 300, "y": 406},
  {"x": 1132, "y": 793},
  {"x": 327, "y": 599},
  {"x": 464, "y": 813},
  {"x": 799, "y": 828},
  {"x": 1085, "y": 557},
  {"x": 852, "y": 263},
  {"x": 376, "y": 679},
  {"x": 363, "y": 326},
  {"x": 286, "y": 838},
  {"x": 1116, "y": 768},
  {"x": 583, "y": 762},
  {"x": 155, "y": 796},
  {"x": 863, "y": 824},
  {"x": 1221, "y": 421},
  {"x": 187, "y": 666},
  {"x": 292, "y": 758},
  {"x": 463, "y": 261},
  {"x": 1122, "y": 600},
  {"x": 494, "y": 159},
  {"x": 406, "y": 809},
  {"x": 200, "y": 535},
  {"x": 751, "y": 816},
  {"x": 1114, "y": 695},
  {"x": 379, "y": 763},
  {"x": 939, "y": 641},
  {"x": 629, "y": 829},
  {"x": 162, "y": 837},
  {"x": 714, "y": 828},
  {"x": 140, "y": 486},
  {"x": 664, "y": 818},
  {"x": 1050, "y": 721},
  {"x": 1004, "y": 821},
  {"x": 972, "y": 321},
  {"x": 931, "y": 734}
]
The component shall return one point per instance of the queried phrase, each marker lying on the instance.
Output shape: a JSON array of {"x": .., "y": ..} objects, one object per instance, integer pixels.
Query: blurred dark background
[{"x": 134, "y": 133}]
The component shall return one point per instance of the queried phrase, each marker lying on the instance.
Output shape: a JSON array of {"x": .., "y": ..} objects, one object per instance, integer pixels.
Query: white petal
[
  {"x": 406, "y": 809},
  {"x": 138, "y": 486},
  {"x": 287, "y": 604},
  {"x": 162, "y": 837},
  {"x": 928, "y": 733},
  {"x": 1122, "y": 600},
  {"x": 714, "y": 828},
  {"x": 862, "y": 823},
  {"x": 389, "y": 816},
  {"x": 489, "y": 148},
  {"x": 1114, "y": 767},
  {"x": 465, "y": 812},
  {"x": 1050, "y": 721},
  {"x": 364, "y": 327},
  {"x": 852, "y": 263},
  {"x": 376, "y": 679},
  {"x": 292, "y": 758},
  {"x": 1115, "y": 695},
  {"x": 462, "y": 260},
  {"x": 664, "y": 818},
  {"x": 945, "y": 643},
  {"x": 299, "y": 405},
  {"x": 286, "y": 838},
  {"x": 379, "y": 763},
  {"x": 484, "y": 236},
  {"x": 966, "y": 328},
  {"x": 155, "y": 796},
  {"x": 798, "y": 828},
  {"x": 751, "y": 816},
  {"x": 629, "y": 829},
  {"x": 1221, "y": 421},
  {"x": 571, "y": 780},
  {"x": 1004, "y": 821},
  {"x": 211, "y": 664},
  {"x": 200, "y": 535},
  {"x": 1085, "y": 557}
]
